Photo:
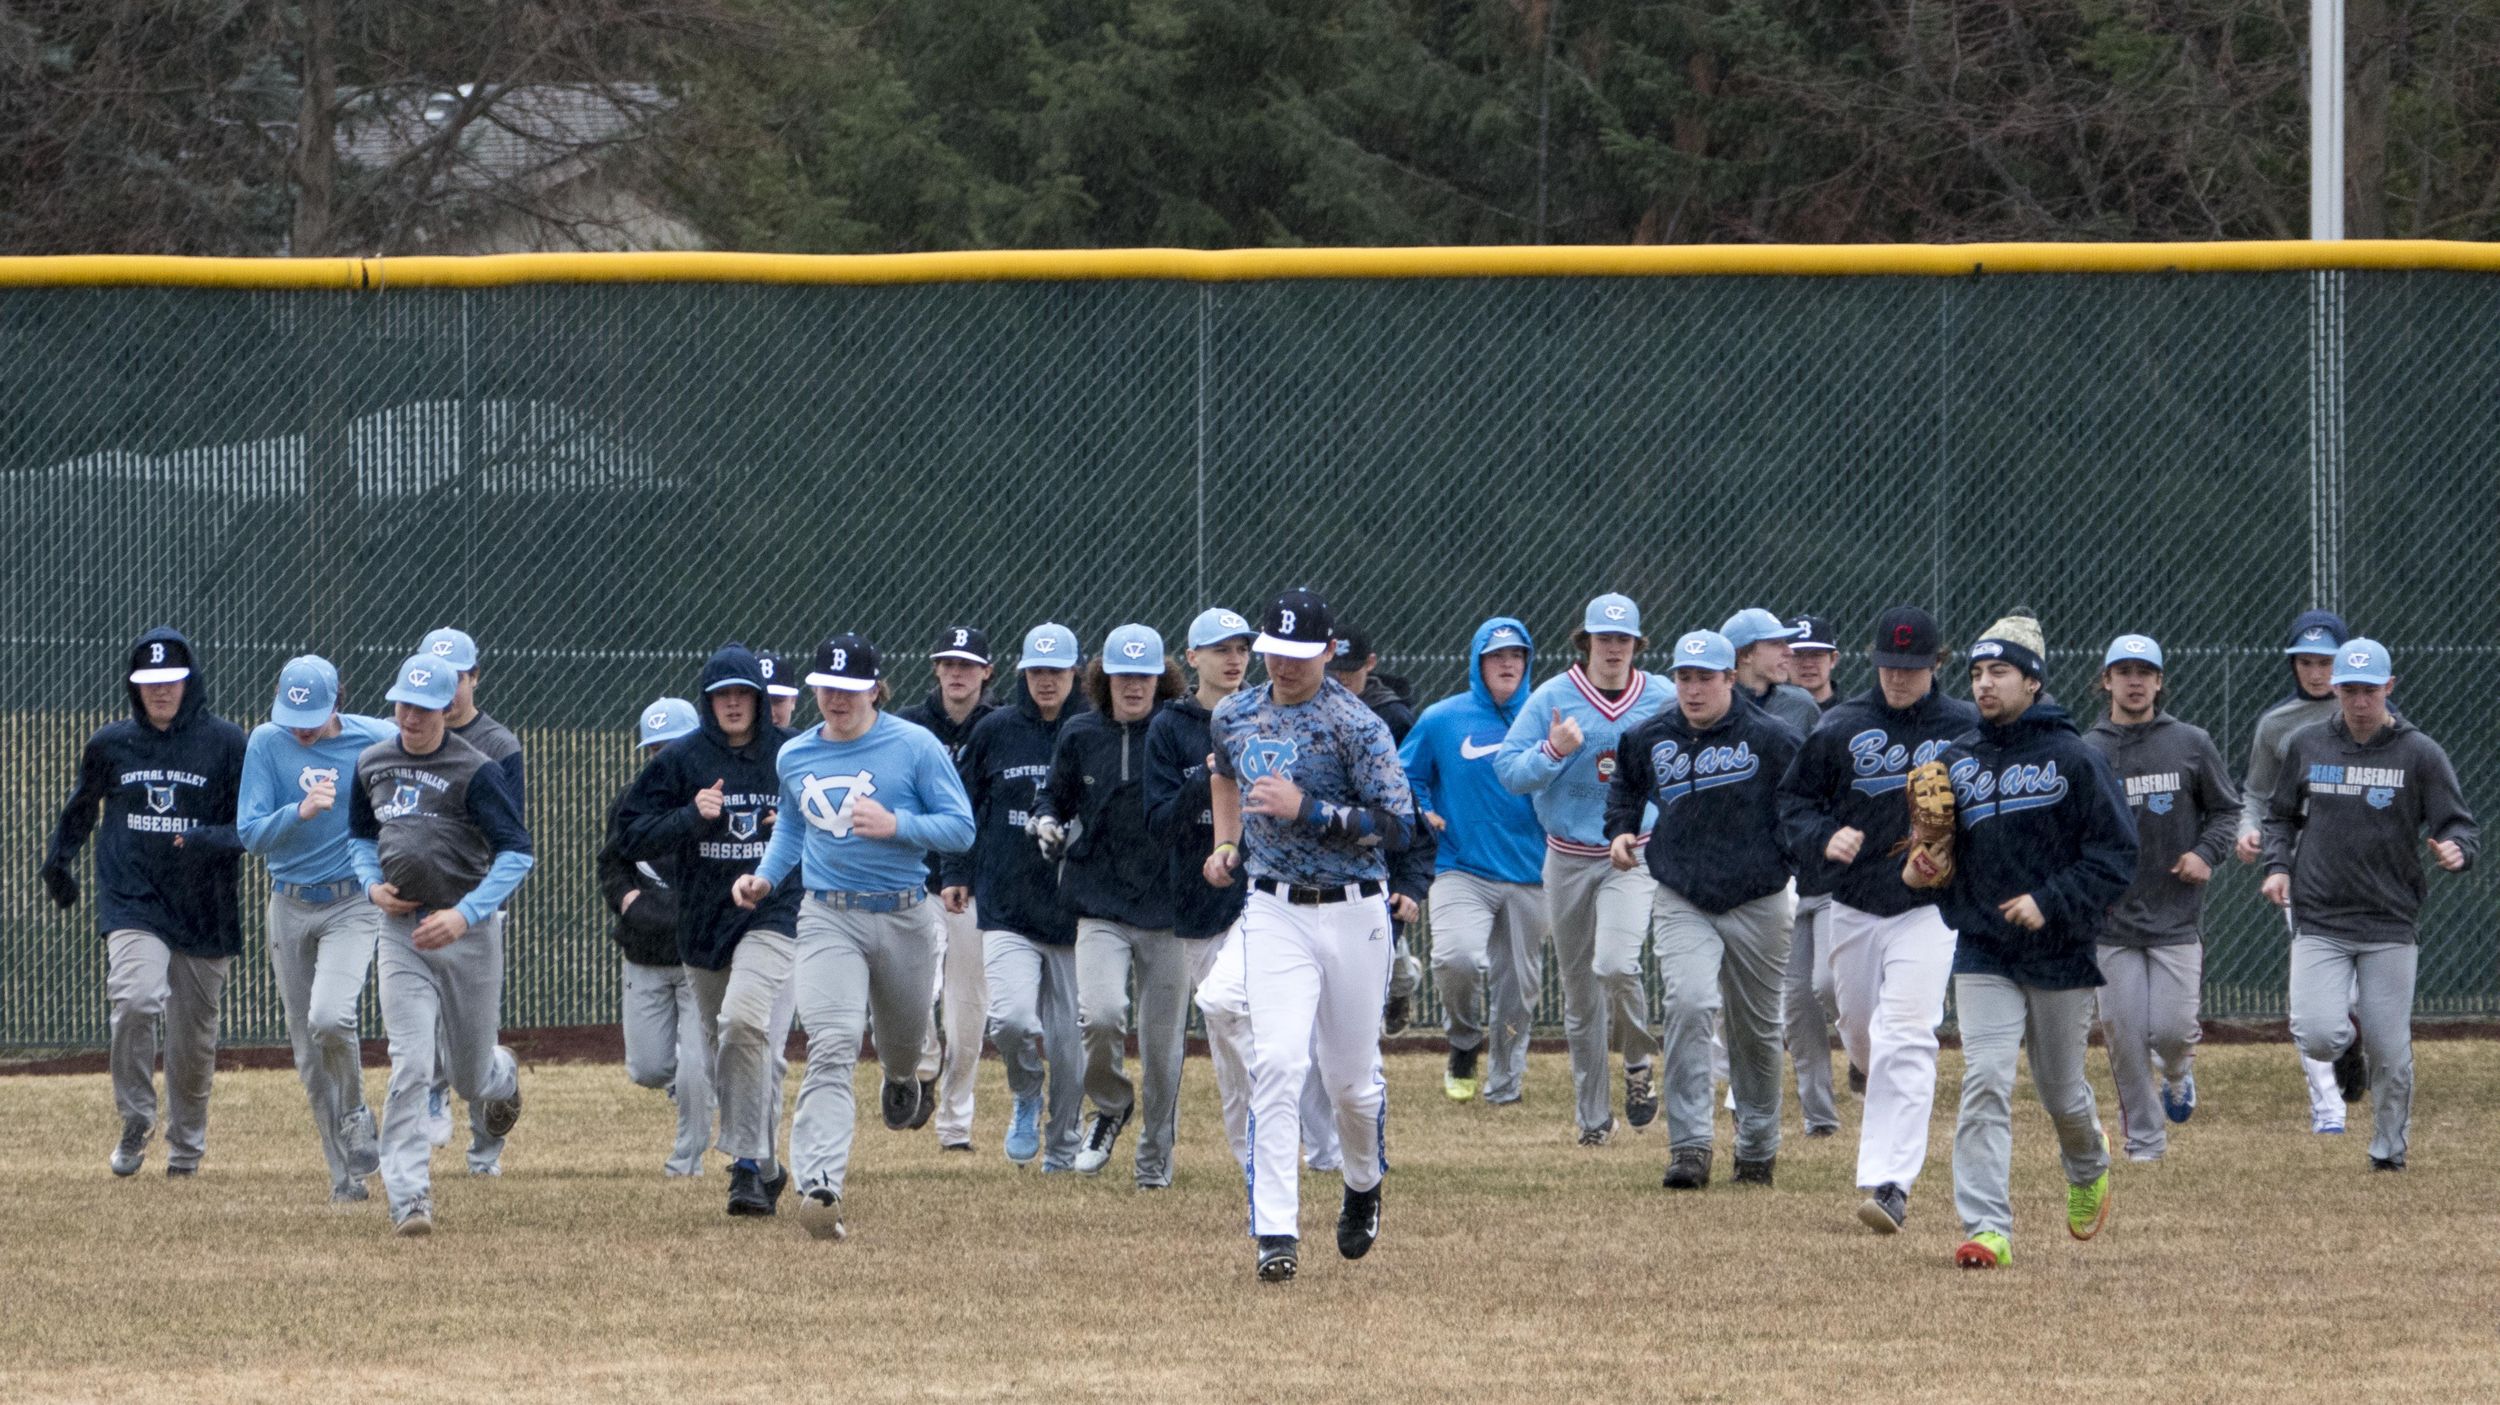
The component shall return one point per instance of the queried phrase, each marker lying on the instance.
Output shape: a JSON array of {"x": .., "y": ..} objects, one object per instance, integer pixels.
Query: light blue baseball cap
[
  {"x": 2133, "y": 648},
  {"x": 1704, "y": 648},
  {"x": 2363, "y": 661},
  {"x": 308, "y": 692},
  {"x": 452, "y": 647},
  {"x": 1132, "y": 648},
  {"x": 1751, "y": 626},
  {"x": 1050, "y": 646},
  {"x": 426, "y": 681},
  {"x": 1217, "y": 625},
  {"x": 667, "y": 720},
  {"x": 1611, "y": 614}
]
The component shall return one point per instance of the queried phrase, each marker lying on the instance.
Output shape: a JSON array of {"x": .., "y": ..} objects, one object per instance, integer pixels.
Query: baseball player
[
  {"x": 2041, "y": 847},
  {"x": 1810, "y": 657},
  {"x": 1356, "y": 667},
  {"x": 779, "y": 691},
  {"x": 1118, "y": 882},
  {"x": 961, "y": 661},
  {"x": 164, "y": 784},
  {"x": 453, "y": 647},
  {"x": 1765, "y": 659},
  {"x": 1308, "y": 795},
  {"x": 2309, "y": 651},
  {"x": 1892, "y": 954},
  {"x": 1561, "y": 750},
  {"x": 322, "y": 927},
  {"x": 876, "y": 795},
  {"x": 661, "y": 1019},
  {"x": 1806, "y": 989},
  {"x": 1028, "y": 935},
  {"x": 708, "y": 804},
  {"x": 2354, "y": 793},
  {"x": 436, "y": 834},
  {"x": 2152, "y": 950},
  {"x": 1707, "y": 769},
  {"x": 1488, "y": 900}
]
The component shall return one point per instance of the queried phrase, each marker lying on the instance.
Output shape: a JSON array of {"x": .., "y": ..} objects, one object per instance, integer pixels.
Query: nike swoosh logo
[{"x": 1473, "y": 752}]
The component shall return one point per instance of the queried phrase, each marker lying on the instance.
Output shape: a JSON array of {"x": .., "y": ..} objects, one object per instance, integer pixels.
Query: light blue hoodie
[{"x": 1493, "y": 833}]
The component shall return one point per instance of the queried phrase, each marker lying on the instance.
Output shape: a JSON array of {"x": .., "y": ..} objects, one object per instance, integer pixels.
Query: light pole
[{"x": 2326, "y": 304}]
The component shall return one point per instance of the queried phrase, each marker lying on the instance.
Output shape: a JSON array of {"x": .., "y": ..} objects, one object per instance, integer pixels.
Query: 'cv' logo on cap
[
  {"x": 418, "y": 677},
  {"x": 442, "y": 648},
  {"x": 1232, "y": 621},
  {"x": 2135, "y": 646},
  {"x": 656, "y": 720},
  {"x": 1133, "y": 649},
  {"x": 2358, "y": 658},
  {"x": 1045, "y": 646},
  {"x": 1614, "y": 612},
  {"x": 1696, "y": 646},
  {"x": 299, "y": 696}
]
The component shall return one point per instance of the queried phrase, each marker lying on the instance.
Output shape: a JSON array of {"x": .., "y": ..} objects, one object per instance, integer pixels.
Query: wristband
[{"x": 1227, "y": 844}]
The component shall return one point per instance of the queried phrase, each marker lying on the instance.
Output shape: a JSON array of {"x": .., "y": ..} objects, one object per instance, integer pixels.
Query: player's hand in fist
[
  {"x": 2191, "y": 868},
  {"x": 1844, "y": 845},
  {"x": 1403, "y": 908},
  {"x": 1624, "y": 852},
  {"x": 870, "y": 820},
  {"x": 320, "y": 796},
  {"x": 1050, "y": 836},
  {"x": 1275, "y": 797},
  {"x": 2023, "y": 912},
  {"x": 709, "y": 800},
  {"x": 1564, "y": 735},
  {"x": 2450, "y": 853},
  {"x": 955, "y": 899},
  {"x": 2250, "y": 845},
  {"x": 2277, "y": 889},
  {"x": 1218, "y": 869},
  {"x": 440, "y": 929},
  {"x": 750, "y": 890},
  {"x": 1439, "y": 825}
]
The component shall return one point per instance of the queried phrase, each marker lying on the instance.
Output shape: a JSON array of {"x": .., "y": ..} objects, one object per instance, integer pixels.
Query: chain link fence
[{"x": 602, "y": 483}]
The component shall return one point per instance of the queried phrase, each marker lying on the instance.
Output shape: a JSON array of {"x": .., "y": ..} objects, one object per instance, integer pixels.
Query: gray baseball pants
[
  {"x": 664, "y": 1048},
  {"x": 1707, "y": 962},
  {"x": 2325, "y": 971},
  {"x": 322, "y": 956},
  {"x": 744, "y": 1010},
  {"x": 452, "y": 994},
  {"x": 1106, "y": 954},
  {"x": 158, "y": 994},
  {"x": 2148, "y": 1012},
  {"x": 1033, "y": 1026},
  {"x": 1807, "y": 1010},
  {"x": 1601, "y": 920},
  {"x": 1994, "y": 1012},
  {"x": 963, "y": 1000},
  {"x": 848, "y": 961},
  {"x": 1488, "y": 962}
]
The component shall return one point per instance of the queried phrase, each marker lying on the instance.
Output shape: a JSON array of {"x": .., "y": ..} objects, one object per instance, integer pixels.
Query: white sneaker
[
  {"x": 1100, "y": 1138},
  {"x": 820, "y": 1214},
  {"x": 2325, "y": 1126},
  {"x": 437, "y": 1118}
]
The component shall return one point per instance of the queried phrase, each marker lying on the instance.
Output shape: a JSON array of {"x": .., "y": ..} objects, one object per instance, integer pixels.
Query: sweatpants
[
  {"x": 158, "y": 995},
  {"x": 442, "y": 1005},
  {"x": 1033, "y": 1026},
  {"x": 665, "y": 1049},
  {"x": 1888, "y": 978},
  {"x": 744, "y": 1010},
  {"x": 963, "y": 998},
  {"x": 1807, "y": 1012},
  {"x": 2326, "y": 1097},
  {"x": 1488, "y": 963},
  {"x": 2325, "y": 972},
  {"x": 1107, "y": 953},
  {"x": 1316, "y": 976},
  {"x": 2148, "y": 1013},
  {"x": 322, "y": 956},
  {"x": 1710, "y": 962},
  {"x": 1601, "y": 918},
  {"x": 1994, "y": 1013},
  {"x": 848, "y": 961}
]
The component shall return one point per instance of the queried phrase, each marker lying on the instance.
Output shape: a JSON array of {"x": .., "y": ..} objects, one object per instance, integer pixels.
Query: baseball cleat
[
  {"x": 352, "y": 1193},
  {"x": 1886, "y": 1209},
  {"x": 437, "y": 1117},
  {"x": 1458, "y": 1082},
  {"x": 1024, "y": 1129},
  {"x": 1598, "y": 1135},
  {"x": 359, "y": 1144},
  {"x": 2352, "y": 1073},
  {"x": 1358, "y": 1222},
  {"x": 2387, "y": 1163},
  {"x": 1100, "y": 1138},
  {"x": 1857, "y": 1079},
  {"x": 900, "y": 1103},
  {"x": 1279, "y": 1256},
  {"x": 416, "y": 1224},
  {"x": 1986, "y": 1249},
  {"x": 2326, "y": 1124},
  {"x": 181, "y": 1173},
  {"x": 501, "y": 1114},
  {"x": 955, "y": 1146},
  {"x": 1640, "y": 1095},
  {"x": 928, "y": 1104},
  {"x": 1755, "y": 1172},
  {"x": 746, "y": 1192},
  {"x": 1395, "y": 1016},
  {"x": 1818, "y": 1133},
  {"x": 820, "y": 1214},
  {"x": 2087, "y": 1207},
  {"x": 2178, "y": 1100},
  {"x": 133, "y": 1148},
  {"x": 1688, "y": 1168}
]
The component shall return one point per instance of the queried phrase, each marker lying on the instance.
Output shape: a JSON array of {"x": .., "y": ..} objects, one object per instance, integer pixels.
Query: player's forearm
[
  {"x": 365, "y": 857},
  {"x": 502, "y": 876},
  {"x": 1224, "y": 798}
]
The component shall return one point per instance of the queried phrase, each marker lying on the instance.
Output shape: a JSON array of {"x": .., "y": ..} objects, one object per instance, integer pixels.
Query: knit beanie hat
[{"x": 2015, "y": 639}]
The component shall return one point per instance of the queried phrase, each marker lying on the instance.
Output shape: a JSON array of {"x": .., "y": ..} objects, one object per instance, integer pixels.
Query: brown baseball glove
[{"x": 1930, "y": 862}]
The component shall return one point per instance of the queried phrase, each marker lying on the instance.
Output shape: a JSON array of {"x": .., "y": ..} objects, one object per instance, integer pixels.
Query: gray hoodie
[
  {"x": 1792, "y": 705},
  {"x": 2265, "y": 754},
  {"x": 2346, "y": 822},
  {"x": 2182, "y": 802}
]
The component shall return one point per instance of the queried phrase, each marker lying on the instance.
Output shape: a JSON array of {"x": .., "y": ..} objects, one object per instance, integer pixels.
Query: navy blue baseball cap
[
  {"x": 776, "y": 675},
  {"x": 1907, "y": 637},
  {"x": 1813, "y": 635},
  {"x": 962, "y": 641},
  {"x": 847, "y": 662},
  {"x": 1296, "y": 625}
]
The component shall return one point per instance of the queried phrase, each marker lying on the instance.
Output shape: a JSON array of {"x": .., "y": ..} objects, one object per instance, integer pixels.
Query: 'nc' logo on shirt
[{"x": 1268, "y": 756}]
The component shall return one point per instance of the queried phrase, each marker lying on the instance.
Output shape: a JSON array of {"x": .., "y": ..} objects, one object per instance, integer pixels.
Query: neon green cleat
[
  {"x": 1458, "y": 1084},
  {"x": 1986, "y": 1249},
  {"x": 2087, "y": 1207}
]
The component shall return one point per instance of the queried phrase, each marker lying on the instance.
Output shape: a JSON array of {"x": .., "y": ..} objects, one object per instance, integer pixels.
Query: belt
[
  {"x": 867, "y": 902},
  {"x": 1313, "y": 897},
  {"x": 317, "y": 894}
]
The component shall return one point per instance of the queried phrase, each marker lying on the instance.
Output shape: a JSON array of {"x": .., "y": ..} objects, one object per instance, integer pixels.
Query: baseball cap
[
  {"x": 1505, "y": 635},
  {"x": 1296, "y": 625},
  {"x": 1611, "y": 614},
  {"x": 847, "y": 662},
  {"x": 1753, "y": 625},
  {"x": 160, "y": 660},
  {"x": 1704, "y": 648},
  {"x": 666, "y": 720},
  {"x": 1132, "y": 648},
  {"x": 2316, "y": 639},
  {"x": 1812, "y": 635},
  {"x": 2132, "y": 648},
  {"x": 1907, "y": 637},
  {"x": 1217, "y": 625},
  {"x": 308, "y": 692},
  {"x": 425, "y": 680},
  {"x": 452, "y": 647},
  {"x": 776, "y": 675},
  {"x": 1354, "y": 644},
  {"x": 2363, "y": 661},
  {"x": 1050, "y": 646},
  {"x": 962, "y": 641},
  {"x": 738, "y": 667}
]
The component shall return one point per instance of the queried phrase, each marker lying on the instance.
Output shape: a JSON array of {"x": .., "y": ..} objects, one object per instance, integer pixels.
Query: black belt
[{"x": 1313, "y": 897}]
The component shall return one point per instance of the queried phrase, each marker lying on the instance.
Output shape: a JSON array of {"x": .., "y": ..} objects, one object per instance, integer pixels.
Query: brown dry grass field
[{"x": 2257, "y": 1263}]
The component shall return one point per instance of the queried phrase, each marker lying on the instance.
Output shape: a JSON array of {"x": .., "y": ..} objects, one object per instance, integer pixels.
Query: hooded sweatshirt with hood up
[
  {"x": 1493, "y": 832},
  {"x": 1003, "y": 767},
  {"x": 2288, "y": 714},
  {"x": 657, "y": 820},
  {"x": 152, "y": 787}
]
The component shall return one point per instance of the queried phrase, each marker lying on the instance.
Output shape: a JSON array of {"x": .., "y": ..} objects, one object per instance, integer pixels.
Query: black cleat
[
  {"x": 1279, "y": 1256},
  {"x": 746, "y": 1193},
  {"x": 1395, "y": 1016},
  {"x": 2384, "y": 1163},
  {"x": 1598, "y": 1135},
  {"x": 1688, "y": 1168},
  {"x": 1886, "y": 1209},
  {"x": 1358, "y": 1222},
  {"x": 901, "y": 1103},
  {"x": 2352, "y": 1073},
  {"x": 928, "y": 1104},
  {"x": 178, "y": 1173},
  {"x": 1640, "y": 1094},
  {"x": 1857, "y": 1079},
  {"x": 1755, "y": 1172}
]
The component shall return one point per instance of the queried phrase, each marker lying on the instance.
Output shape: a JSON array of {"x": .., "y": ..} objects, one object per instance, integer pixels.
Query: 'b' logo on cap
[
  {"x": 765, "y": 666},
  {"x": 1133, "y": 649},
  {"x": 299, "y": 696}
]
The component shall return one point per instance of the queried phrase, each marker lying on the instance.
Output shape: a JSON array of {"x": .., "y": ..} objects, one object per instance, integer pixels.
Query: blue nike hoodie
[{"x": 1493, "y": 832}]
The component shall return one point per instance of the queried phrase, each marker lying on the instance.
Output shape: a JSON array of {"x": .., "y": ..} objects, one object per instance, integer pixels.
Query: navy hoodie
[
  {"x": 1717, "y": 838},
  {"x": 1180, "y": 821},
  {"x": 660, "y": 822},
  {"x": 647, "y": 931},
  {"x": 1113, "y": 870},
  {"x": 1853, "y": 772},
  {"x": 1003, "y": 768},
  {"x": 931, "y": 713},
  {"x": 2037, "y": 811},
  {"x": 152, "y": 787}
]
